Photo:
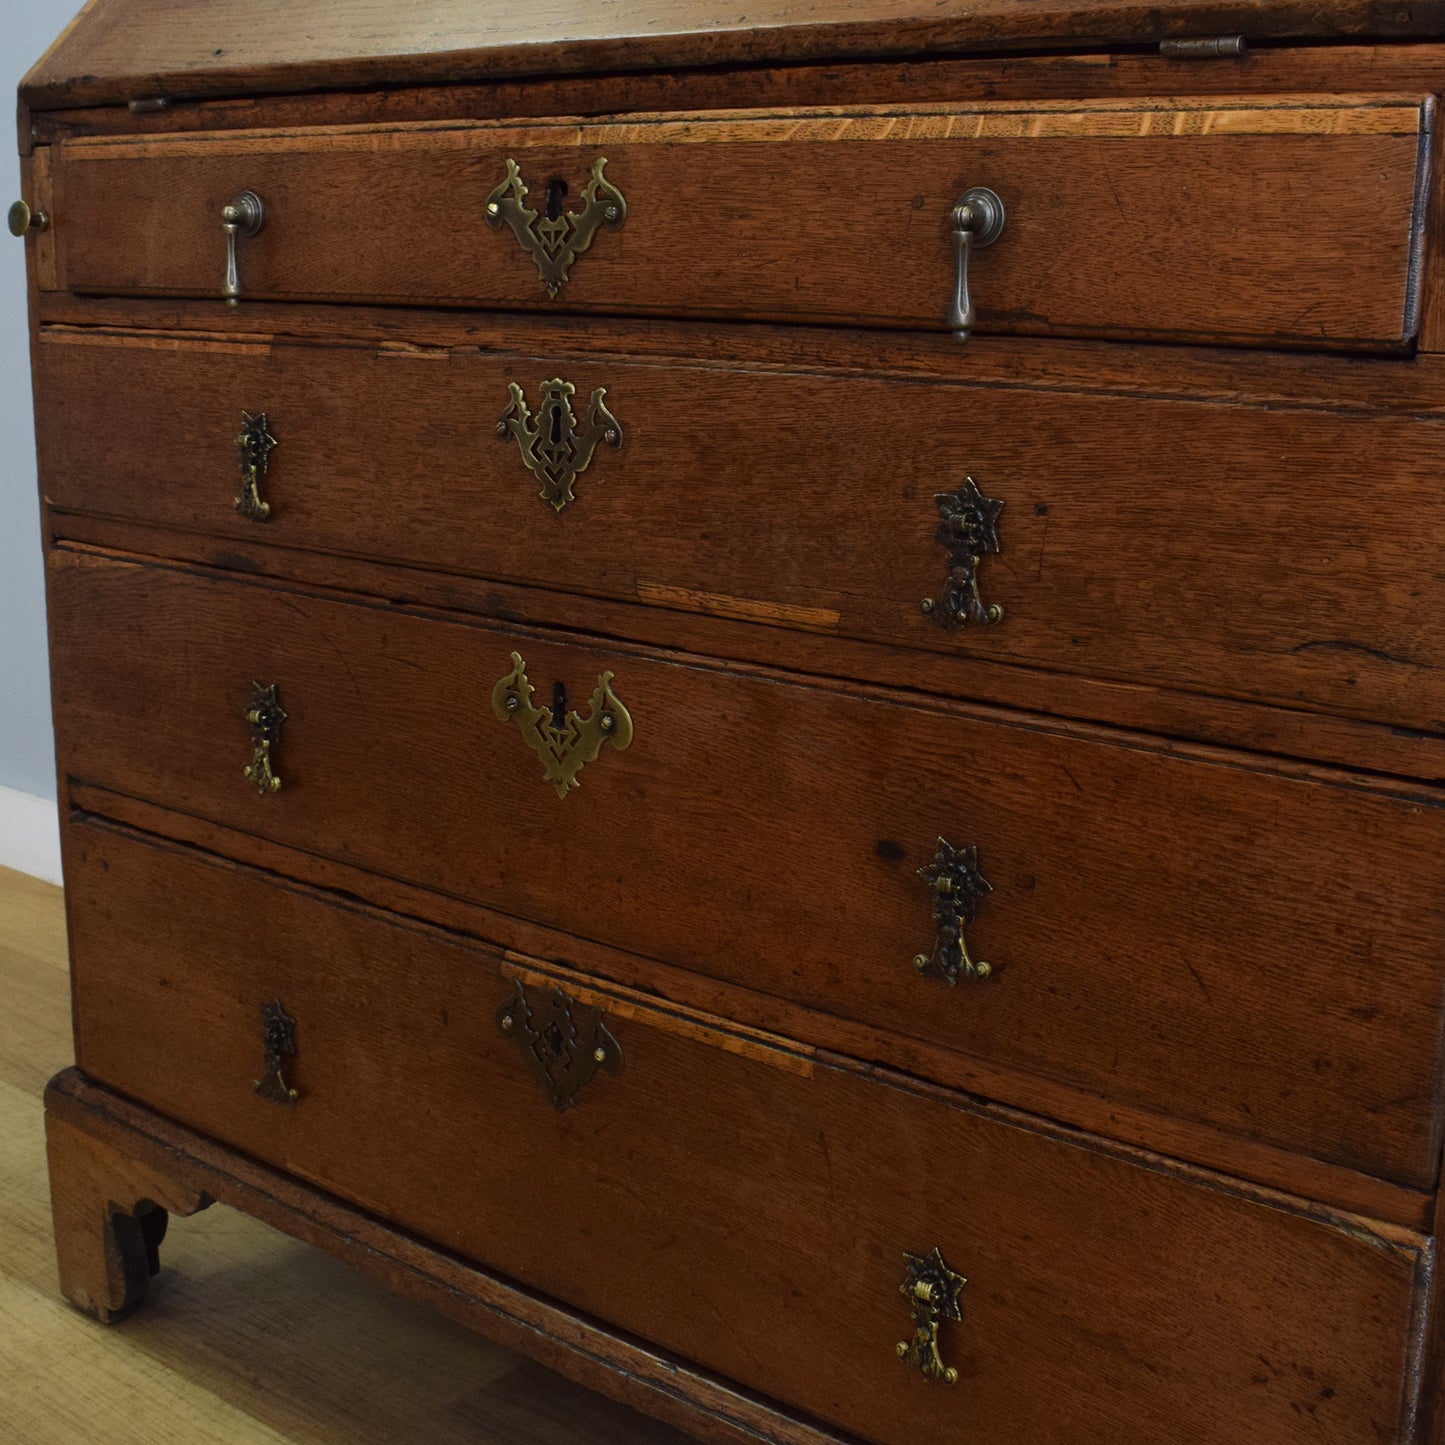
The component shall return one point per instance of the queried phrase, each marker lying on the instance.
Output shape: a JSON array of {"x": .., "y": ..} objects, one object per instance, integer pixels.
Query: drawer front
[
  {"x": 730, "y": 1198},
  {"x": 1256, "y": 951},
  {"x": 1164, "y": 218},
  {"x": 1254, "y": 552}
]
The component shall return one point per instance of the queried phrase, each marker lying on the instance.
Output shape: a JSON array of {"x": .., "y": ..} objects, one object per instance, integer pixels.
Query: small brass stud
[
  {"x": 927, "y": 606},
  {"x": 600, "y": 1055},
  {"x": 508, "y": 1023}
]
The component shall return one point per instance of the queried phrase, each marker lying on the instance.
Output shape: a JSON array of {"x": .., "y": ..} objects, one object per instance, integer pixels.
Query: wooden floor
[{"x": 246, "y": 1336}]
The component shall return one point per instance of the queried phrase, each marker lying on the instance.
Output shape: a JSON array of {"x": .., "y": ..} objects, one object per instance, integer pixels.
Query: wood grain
[
  {"x": 134, "y": 48},
  {"x": 1137, "y": 953},
  {"x": 779, "y": 1198},
  {"x": 1139, "y": 538},
  {"x": 248, "y": 1337},
  {"x": 1122, "y": 219}
]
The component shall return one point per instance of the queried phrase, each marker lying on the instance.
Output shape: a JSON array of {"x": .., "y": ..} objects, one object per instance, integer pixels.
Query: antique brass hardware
[
  {"x": 23, "y": 219},
  {"x": 957, "y": 886},
  {"x": 555, "y": 238},
  {"x": 243, "y": 217},
  {"x": 265, "y": 716},
  {"x": 968, "y": 531},
  {"x": 932, "y": 1291},
  {"x": 278, "y": 1043},
  {"x": 562, "y": 739},
  {"x": 1217, "y": 47},
  {"x": 556, "y": 448},
  {"x": 978, "y": 221},
  {"x": 255, "y": 443},
  {"x": 567, "y": 1042}
]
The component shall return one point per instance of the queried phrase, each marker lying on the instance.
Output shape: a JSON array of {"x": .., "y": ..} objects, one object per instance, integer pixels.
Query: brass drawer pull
[
  {"x": 278, "y": 1044},
  {"x": 554, "y": 238},
  {"x": 957, "y": 887},
  {"x": 243, "y": 217},
  {"x": 566, "y": 1042},
  {"x": 932, "y": 1291},
  {"x": 564, "y": 740},
  {"x": 22, "y": 219},
  {"x": 968, "y": 531},
  {"x": 978, "y": 221},
  {"x": 255, "y": 444},
  {"x": 265, "y": 716},
  {"x": 556, "y": 448}
]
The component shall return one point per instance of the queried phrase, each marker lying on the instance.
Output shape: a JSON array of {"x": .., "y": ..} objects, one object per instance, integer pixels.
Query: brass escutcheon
[
  {"x": 563, "y": 739},
  {"x": 278, "y": 1043},
  {"x": 255, "y": 444},
  {"x": 555, "y": 238},
  {"x": 932, "y": 1291},
  {"x": 265, "y": 715},
  {"x": 958, "y": 887},
  {"x": 556, "y": 448},
  {"x": 567, "y": 1042}
]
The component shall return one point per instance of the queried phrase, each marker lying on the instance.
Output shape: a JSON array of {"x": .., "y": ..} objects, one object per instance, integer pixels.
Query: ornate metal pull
[
  {"x": 978, "y": 221},
  {"x": 567, "y": 1042},
  {"x": 255, "y": 443},
  {"x": 278, "y": 1043},
  {"x": 555, "y": 239},
  {"x": 932, "y": 1291},
  {"x": 968, "y": 531},
  {"x": 265, "y": 716},
  {"x": 957, "y": 887},
  {"x": 556, "y": 449},
  {"x": 243, "y": 217},
  {"x": 563, "y": 740}
]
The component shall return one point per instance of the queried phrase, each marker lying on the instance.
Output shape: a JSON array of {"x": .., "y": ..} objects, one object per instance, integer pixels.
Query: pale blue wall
[{"x": 27, "y": 757}]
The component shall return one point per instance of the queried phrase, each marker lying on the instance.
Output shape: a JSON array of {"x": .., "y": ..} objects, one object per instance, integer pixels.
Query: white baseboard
[{"x": 29, "y": 834}]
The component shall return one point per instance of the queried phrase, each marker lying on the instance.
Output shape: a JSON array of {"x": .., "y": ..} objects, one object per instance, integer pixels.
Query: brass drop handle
[
  {"x": 242, "y": 217},
  {"x": 932, "y": 1291},
  {"x": 978, "y": 221},
  {"x": 278, "y": 1044},
  {"x": 23, "y": 219},
  {"x": 957, "y": 885},
  {"x": 255, "y": 444},
  {"x": 265, "y": 717},
  {"x": 968, "y": 532}
]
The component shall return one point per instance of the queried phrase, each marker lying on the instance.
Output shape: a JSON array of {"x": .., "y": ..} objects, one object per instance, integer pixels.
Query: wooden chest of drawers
[{"x": 759, "y": 703}]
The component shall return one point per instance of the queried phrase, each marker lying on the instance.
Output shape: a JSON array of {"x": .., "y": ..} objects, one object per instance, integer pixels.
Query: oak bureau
[{"x": 759, "y": 699}]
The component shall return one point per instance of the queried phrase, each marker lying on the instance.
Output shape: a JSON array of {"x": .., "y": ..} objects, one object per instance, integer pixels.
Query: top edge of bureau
[{"x": 116, "y": 51}]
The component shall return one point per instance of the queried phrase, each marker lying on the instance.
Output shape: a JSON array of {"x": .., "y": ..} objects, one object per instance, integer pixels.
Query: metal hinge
[{"x": 1215, "y": 48}]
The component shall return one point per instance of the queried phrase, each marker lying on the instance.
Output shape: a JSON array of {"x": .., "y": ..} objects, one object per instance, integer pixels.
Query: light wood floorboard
[{"x": 247, "y": 1337}]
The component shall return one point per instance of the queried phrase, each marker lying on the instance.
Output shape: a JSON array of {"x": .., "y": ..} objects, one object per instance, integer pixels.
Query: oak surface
[
  {"x": 130, "y": 49},
  {"x": 725, "y": 1175},
  {"x": 1166, "y": 219},
  {"x": 1135, "y": 951},
  {"x": 248, "y": 1337}
]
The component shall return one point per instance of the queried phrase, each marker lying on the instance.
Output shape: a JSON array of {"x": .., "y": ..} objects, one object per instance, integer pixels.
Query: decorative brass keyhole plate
[
  {"x": 932, "y": 1291},
  {"x": 278, "y": 1044},
  {"x": 563, "y": 739},
  {"x": 255, "y": 443},
  {"x": 556, "y": 448},
  {"x": 957, "y": 885},
  {"x": 567, "y": 1042},
  {"x": 265, "y": 715},
  {"x": 968, "y": 532},
  {"x": 554, "y": 240}
]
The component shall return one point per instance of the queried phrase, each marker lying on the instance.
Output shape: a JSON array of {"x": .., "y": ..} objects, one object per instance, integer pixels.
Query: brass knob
[{"x": 23, "y": 219}]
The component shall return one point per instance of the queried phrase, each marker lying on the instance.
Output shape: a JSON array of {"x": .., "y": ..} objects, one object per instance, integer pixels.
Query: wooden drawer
[
  {"x": 1253, "y": 949},
  {"x": 1266, "y": 553},
  {"x": 1201, "y": 219},
  {"x": 734, "y": 1198}
]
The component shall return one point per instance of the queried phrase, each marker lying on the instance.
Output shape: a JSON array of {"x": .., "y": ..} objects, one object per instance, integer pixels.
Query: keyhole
[
  {"x": 556, "y": 426},
  {"x": 554, "y": 1039},
  {"x": 559, "y": 704},
  {"x": 556, "y": 193}
]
